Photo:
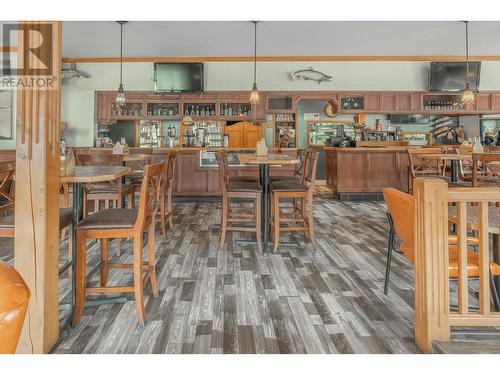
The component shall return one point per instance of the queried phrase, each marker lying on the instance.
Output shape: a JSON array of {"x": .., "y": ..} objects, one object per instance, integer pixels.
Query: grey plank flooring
[{"x": 239, "y": 301}]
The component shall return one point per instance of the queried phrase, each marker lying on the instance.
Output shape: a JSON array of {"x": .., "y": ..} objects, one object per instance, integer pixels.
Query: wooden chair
[
  {"x": 248, "y": 190},
  {"x": 401, "y": 217},
  {"x": 419, "y": 166},
  {"x": 121, "y": 223},
  {"x": 465, "y": 166},
  {"x": 302, "y": 191},
  {"x": 298, "y": 171},
  {"x": 141, "y": 150},
  {"x": 486, "y": 169},
  {"x": 7, "y": 210},
  {"x": 107, "y": 192},
  {"x": 135, "y": 179}
]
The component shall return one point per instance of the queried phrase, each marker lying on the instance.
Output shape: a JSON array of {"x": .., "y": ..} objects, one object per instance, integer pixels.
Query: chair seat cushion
[
  {"x": 288, "y": 186},
  {"x": 244, "y": 179},
  {"x": 273, "y": 179},
  {"x": 113, "y": 218},
  {"x": 244, "y": 187},
  {"x": 65, "y": 219}
]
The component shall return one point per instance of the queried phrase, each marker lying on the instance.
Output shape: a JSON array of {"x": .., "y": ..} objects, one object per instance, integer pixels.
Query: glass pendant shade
[
  {"x": 468, "y": 95},
  {"x": 120, "y": 95},
  {"x": 254, "y": 95}
]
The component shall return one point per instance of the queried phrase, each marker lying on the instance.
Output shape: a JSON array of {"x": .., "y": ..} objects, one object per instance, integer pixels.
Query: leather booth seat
[{"x": 14, "y": 297}]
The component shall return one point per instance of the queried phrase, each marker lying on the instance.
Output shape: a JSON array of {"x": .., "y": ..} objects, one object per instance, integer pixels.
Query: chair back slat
[
  {"x": 7, "y": 191},
  {"x": 223, "y": 164},
  {"x": 150, "y": 191},
  {"x": 310, "y": 166},
  {"x": 299, "y": 168}
]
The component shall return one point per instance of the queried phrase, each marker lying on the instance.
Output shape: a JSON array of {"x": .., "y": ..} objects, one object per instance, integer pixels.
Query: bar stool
[
  {"x": 248, "y": 190},
  {"x": 121, "y": 223},
  {"x": 166, "y": 210},
  {"x": 109, "y": 192},
  {"x": 304, "y": 191}
]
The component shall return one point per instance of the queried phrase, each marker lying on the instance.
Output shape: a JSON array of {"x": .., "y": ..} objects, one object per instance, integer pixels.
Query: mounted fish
[{"x": 310, "y": 75}]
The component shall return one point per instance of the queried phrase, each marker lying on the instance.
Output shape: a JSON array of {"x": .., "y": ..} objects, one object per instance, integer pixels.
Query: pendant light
[
  {"x": 254, "y": 95},
  {"x": 468, "y": 94},
  {"x": 120, "y": 95}
]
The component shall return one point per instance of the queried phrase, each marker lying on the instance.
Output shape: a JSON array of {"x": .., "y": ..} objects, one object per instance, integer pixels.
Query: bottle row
[{"x": 442, "y": 105}]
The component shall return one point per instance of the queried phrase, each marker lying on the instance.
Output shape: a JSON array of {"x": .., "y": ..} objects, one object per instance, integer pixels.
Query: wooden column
[
  {"x": 431, "y": 262},
  {"x": 36, "y": 243}
]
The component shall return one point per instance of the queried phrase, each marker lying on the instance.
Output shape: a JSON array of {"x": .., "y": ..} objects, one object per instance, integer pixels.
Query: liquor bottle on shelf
[
  {"x": 212, "y": 111},
  {"x": 196, "y": 110},
  {"x": 202, "y": 112},
  {"x": 226, "y": 110},
  {"x": 230, "y": 111}
]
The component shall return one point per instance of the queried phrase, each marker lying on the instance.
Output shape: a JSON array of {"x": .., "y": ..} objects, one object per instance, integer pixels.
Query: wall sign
[{"x": 311, "y": 116}]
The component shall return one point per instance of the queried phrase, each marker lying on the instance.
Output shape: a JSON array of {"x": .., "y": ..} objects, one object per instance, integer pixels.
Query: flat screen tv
[
  {"x": 178, "y": 77},
  {"x": 452, "y": 76}
]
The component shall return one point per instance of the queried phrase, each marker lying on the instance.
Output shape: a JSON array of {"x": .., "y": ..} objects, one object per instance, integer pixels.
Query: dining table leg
[{"x": 264, "y": 182}]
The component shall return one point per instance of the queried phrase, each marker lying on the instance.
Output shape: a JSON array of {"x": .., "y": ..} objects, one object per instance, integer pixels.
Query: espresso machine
[{"x": 189, "y": 136}]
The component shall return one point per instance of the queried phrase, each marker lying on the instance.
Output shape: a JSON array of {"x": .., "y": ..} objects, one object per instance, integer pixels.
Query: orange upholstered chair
[
  {"x": 14, "y": 297},
  {"x": 401, "y": 216}
]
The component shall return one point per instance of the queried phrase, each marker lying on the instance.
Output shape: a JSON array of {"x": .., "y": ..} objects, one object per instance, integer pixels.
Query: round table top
[
  {"x": 446, "y": 156},
  {"x": 87, "y": 174},
  {"x": 268, "y": 159}
]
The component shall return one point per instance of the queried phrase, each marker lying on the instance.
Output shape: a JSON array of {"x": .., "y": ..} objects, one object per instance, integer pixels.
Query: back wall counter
[{"x": 78, "y": 99}]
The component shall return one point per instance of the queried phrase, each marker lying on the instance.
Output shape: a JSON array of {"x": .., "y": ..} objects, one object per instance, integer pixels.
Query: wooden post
[
  {"x": 431, "y": 262},
  {"x": 36, "y": 243}
]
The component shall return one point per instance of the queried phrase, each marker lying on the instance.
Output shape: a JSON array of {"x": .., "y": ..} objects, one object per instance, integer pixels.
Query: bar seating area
[{"x": 326, "y": 214}]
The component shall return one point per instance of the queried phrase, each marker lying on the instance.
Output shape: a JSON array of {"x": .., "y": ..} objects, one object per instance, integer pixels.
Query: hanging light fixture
[
  {"x": 254, "y": 95},
  {"x": 120, "y": 94},
  {"x": 468, "y": 94}
]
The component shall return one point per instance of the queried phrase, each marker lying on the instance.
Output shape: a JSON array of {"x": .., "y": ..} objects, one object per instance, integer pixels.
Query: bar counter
[{"x": 360, "y": 173}]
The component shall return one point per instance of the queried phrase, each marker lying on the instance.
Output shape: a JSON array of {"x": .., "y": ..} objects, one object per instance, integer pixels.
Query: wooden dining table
[
  {"x": 81, "y": 176},
  {"x": 264, "y": 162},
  {"x": 454, "y": 160}
]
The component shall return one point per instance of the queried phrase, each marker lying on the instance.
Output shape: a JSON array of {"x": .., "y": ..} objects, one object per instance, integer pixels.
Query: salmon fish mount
[{"x": 310, "y": 75}]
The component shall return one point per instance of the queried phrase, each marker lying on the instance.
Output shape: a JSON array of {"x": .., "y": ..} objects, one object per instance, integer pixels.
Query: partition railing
[{"x": 458, "y": 223}]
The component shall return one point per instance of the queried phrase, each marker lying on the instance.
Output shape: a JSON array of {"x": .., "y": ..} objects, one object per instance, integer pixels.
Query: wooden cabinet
[
  {"x": 243, "y": 134},
  {"x": 388, "y": 102},
  {"x": 372, "y": 102},
  {"x": 483, "y": 102},
  {"x": 495, "y": 102},
  {"x": 251, "y": 135}
]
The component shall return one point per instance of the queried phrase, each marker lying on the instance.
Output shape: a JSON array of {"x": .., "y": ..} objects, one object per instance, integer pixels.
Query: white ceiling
[{"x": 280, "y": 38}]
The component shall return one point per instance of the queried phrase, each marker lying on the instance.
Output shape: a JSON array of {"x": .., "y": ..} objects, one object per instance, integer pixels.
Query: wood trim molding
[
  {"x": 8, "y": 49},
  {"x": 280, "y": 58}
]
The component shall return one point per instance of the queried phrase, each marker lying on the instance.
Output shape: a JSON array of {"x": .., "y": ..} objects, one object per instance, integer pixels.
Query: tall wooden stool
[
  {"x": 121, "y": 223},
  {"x": 232, "y": 218},
  {"x": 295, "y": 190}
]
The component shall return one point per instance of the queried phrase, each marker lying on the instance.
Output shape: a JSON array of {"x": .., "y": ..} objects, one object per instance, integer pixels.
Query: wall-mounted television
[
  {"x": 178, "y": 77},
  {"x": 452, "y": 76}
]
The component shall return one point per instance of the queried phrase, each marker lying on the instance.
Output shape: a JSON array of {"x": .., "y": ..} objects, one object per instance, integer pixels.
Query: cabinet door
[
  {"x": 103, "y": 108},
  {"x": 372, "y": 102},
  {"x": 236, "y": 135},
  {"x": 495, "y": 102},
  {"x": 388, "y": 102},
  {"x": 252, "y": 134},
  {"x": 403, "y": 101},
  {"x": 482, "y": 102}
]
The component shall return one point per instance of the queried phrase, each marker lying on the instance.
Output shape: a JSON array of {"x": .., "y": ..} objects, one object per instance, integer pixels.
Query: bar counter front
[{"x": 360, "y": 173}]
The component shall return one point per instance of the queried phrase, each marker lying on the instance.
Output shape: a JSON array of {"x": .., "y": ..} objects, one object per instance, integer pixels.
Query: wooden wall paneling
[
  {"x": 186, "y": 181},
  {"x": 381, "y": 171},
  {"x": 431, "y": 262},
  {"x": 353, "y": 177},
  {"x": 36, "y": 242},
  {"x": 402, "y": 167}
]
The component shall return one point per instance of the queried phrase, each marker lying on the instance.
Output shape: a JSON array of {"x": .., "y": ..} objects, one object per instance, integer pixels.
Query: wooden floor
[{"x": 239, "y": 301}]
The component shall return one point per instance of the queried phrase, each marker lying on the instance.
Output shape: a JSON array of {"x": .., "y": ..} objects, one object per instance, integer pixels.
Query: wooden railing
[{"x": 470, "y": 219}]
